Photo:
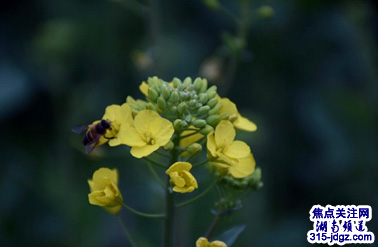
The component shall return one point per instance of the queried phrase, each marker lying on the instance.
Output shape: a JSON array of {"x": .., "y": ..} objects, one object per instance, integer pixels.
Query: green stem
[
  {"x": 128, "y": 236},
  {"x": 155, "y": 162},
  {"x": 162, "y": 154},
  {"x": 213, "y": 226},
  {"x": 201, "y": 163},
  {"x": 197, "y": 197},
  {"x": 156, "y": 176},
  {"x": 143, "y": 214},
  {"x": 169, "y": 200}
]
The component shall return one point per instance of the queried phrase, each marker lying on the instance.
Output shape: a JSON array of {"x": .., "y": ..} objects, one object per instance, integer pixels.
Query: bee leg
[{"x": 109, "y": 138}]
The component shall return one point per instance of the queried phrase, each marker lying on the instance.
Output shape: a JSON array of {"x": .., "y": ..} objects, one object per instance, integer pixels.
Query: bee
[{"x": 93, "y": 134}]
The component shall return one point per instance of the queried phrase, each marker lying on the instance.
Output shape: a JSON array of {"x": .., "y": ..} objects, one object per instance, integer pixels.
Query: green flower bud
[
  {"x": 204, "y": 86},
  {"x": 174, "y": 97},
  {"x": 197, "y": 84},
  {"x": 199, "y": 123},
  {"x": 169, "y": 146},
  {"x": 223, "y": 116},
  {"x": 213, "y": 120},
  {"x": 184, "y": 95},
  {"x": 166, "y": 92},
  {"x": 151, "y": 106},
  {"x": 215, "y": 109},
  {"x": 152, "y": 94},
  {"x": 187, "y": 81},
  {"x": 192, "y": 103},
  {"x": 182, "y": 107},
  {"x": 212, "y": 102},
  {"x": 188, "y": 118},
  {"x": 194, "y": 148},
  {"x": 184, "y": 124},
  {"x": 176, "y": 82},
  {"x": 206, "y": 130},
  {"x": 135, "y": 107},
  {"x": 181, "y": 87},
  {"x": 203, "y": 110},
  {"x": 162, "y": 104},
  {"x": 203, "y": 98},
  {"x": 212, "y": 91},
  {"x": 174, "y": 109},
  {"x": 177, "y": 124}
]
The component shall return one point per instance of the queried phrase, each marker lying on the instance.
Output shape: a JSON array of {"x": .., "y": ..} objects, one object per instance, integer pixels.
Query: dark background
[{"x": 307, "y": 78}]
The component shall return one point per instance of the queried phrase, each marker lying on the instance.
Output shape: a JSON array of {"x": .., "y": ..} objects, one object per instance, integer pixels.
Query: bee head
[{"x": 105, "y": 124}]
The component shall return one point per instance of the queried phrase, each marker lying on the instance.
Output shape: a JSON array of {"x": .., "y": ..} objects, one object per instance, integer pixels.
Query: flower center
[{"x": 148, "y": 139}]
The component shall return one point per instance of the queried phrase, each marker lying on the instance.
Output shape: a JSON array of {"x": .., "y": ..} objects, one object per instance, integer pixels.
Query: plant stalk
[{"x": 169, "y": 200}]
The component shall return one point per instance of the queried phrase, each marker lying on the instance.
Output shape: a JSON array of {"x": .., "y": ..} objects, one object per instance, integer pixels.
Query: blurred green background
[{"x": 307, "y": 76}]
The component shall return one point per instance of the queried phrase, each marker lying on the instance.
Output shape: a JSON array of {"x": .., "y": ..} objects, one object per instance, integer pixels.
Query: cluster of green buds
[
  {"x": 252, "y": 182},
  {"x": 225, "y": 207},
  {"x": 187, "y": 103}
]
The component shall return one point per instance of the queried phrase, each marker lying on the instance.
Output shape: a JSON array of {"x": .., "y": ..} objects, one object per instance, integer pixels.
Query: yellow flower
[
  {"x": 226, "y": 153},
  {"x": 203, "y": 242},
  {"x": 236, "y": 118},
  {"x": 117, "y": 115},
  {"x": 149, "y": 133},
  {"x": 104, "y": 190},
  {"x": 182, "y": 179}
]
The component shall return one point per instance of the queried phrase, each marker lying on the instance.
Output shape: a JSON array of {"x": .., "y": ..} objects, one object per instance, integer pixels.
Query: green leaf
[{"x": 229, "y": 236}]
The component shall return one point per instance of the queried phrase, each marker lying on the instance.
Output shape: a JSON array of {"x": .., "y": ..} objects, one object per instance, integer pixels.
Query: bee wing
[
  {"x": 79, "y": 129},
  {"x": 90, "y": 146}
]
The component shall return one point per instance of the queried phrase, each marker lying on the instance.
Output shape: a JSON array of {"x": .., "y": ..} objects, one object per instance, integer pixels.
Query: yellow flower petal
[
  {"x": 245, "y": 124},
  {"x": 118, "y": 115},
  {"x": 144, "y": 88},
  {"x": 93, "y": 198},
  {"x": 177, "y": 180},
  {"x": 221, "y": 163},
  {"x": 226, "y": 159},
  {"x": 179, "y": 166},
  {"x": 183, "y": 190},
  {"x": 185, "y": 142},
  {"x": 244, "y": 168},
  {"x": 228, "y": 106},
  {"x": 129, "y": 136},
  {"x": 147, "y": 121},
  {"x": 238, "y": 150},
  {"x": 224, "y": 133},
  {"x": 139, "y": 152},
  {"x": 211, "y": 145},
  {"x": 189, "y": 179},
  {"x": 164, "y": 133},
  {"x": 218, "y": 243},
  {"x": 105, "y": 173}
]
